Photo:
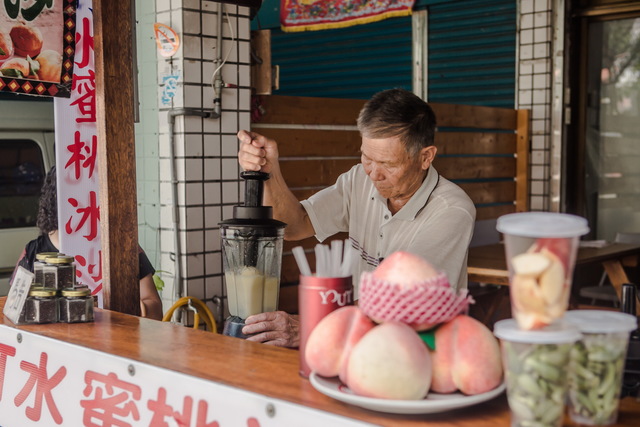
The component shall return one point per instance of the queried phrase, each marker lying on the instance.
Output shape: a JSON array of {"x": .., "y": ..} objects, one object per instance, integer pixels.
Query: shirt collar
[{"x": 418, "y": 200}]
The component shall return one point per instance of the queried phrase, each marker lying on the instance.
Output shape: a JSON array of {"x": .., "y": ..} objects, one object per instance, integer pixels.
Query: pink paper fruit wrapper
[{"x": 421, "y": 306}]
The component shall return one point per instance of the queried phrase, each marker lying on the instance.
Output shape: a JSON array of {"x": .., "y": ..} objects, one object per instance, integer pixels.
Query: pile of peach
[
  {"x": 390, "y": 360},
  {"x": 21, "y": 55}
]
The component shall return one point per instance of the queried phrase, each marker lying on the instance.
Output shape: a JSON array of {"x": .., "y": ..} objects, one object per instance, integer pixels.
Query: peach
[
  {"x": 27, "y": 40},
  {"x": 6, "y": 45},
  {"x": 560, "y": 247},
  {"x": 331, "y": 341},
  {"x": 390, "y": 362},
  {"x": 538, "y": 285},
  {"x": 404, "y": 268},
  {"x": 552, "y": 279},
  {"x": 466, "y": 358},
  {"x": 50, "y": 65}
]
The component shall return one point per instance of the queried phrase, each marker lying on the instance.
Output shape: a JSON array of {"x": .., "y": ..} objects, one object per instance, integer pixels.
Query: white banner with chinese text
[
  {"x": 47, "y": 382},
  {"x": 76, "y": 160}
]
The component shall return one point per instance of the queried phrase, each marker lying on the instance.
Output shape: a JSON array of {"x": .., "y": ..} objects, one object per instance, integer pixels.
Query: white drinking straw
[
  {"x": 336, "y": 257},
  {"x": 301, "y": 260},
  {"x": 320, "y": 263},
  {"x": 327, "y": 260},
  {"x": 347, "y": 260}
]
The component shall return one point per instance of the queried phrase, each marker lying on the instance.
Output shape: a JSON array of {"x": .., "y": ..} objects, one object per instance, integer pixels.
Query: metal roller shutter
[
  {"x": 472, "y": 52},
  {"x": 353, "y": 62}
]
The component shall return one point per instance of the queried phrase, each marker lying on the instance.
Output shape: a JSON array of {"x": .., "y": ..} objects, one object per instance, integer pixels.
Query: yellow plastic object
[{"x": 201, "y": 310}]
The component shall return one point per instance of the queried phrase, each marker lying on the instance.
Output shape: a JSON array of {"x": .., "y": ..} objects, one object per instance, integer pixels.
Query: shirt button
[
  {"x": 381, "y": 235},
  {"x": 386, "y": 217}
]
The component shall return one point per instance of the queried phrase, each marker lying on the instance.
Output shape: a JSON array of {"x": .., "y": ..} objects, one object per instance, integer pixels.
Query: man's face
[{"x": 393, "y": 172}]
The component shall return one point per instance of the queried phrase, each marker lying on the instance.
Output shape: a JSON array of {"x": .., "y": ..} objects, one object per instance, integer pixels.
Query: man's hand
[
  {"x": 257, "y": 152},
  {"x": 275, "y": 328}
]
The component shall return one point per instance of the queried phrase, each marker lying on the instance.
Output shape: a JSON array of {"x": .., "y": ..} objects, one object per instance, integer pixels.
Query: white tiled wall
[
  {"x": 205, "y": 148},
  {"x": 534, "y": 81}
]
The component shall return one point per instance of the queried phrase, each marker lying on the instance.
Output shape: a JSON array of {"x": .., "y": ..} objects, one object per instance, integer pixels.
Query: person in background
[
  {"x": 48, "y": 241},
  {"x": 394, "y": 199}
]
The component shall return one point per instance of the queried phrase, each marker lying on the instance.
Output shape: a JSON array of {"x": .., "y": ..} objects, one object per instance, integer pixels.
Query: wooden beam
[
  {"x": 116, "y": 147},
  {"x": 522, "y": 156},
  {"x": 261, "y": 78}
]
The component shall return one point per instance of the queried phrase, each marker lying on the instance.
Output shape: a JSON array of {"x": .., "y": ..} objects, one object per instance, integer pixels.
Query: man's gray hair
[{"x": 398, "y": 112}]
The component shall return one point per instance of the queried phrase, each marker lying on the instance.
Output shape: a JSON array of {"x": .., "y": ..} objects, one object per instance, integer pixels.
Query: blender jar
[
  {"x": 252, "y": 256},
  {"x": 251, "y": 270}
]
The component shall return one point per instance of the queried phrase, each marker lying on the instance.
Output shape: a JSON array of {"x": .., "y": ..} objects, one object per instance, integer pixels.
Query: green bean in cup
[
  {"x": 597, "y": 365},
  {"x": 535, "y": 364}
]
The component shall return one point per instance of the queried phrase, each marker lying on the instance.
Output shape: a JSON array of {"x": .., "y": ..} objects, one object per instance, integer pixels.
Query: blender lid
[
  {"x": 252, "y": 214},
  {"x": 255, "y": 223}
]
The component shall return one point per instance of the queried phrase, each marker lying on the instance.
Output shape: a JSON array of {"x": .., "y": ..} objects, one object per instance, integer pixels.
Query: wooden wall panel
[
  {"x": 475, "y": 167},
  {"x": 322, "y": 172},
  {"x": 490, "y": 192},
  {"x": 473, "y": 116},
  {"x": 306, "y": 110},
  {"x": 314, "y": 142},
  {"x": 475, "y": 143}
]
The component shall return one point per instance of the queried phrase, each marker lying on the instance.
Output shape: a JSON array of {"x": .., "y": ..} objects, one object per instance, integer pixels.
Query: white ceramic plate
[{"x": 433, "y": 403}]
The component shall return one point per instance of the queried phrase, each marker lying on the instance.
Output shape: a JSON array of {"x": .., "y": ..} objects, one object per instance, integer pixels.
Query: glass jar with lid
[
  {"x": 59, "y": 272},
  {"x": 38, "y": 266},
  {"x": 41, "y": 305},
  {"x": 76, "y": 305}
]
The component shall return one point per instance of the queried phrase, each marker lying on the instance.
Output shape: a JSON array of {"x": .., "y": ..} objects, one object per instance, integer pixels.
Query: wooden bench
[{"x": 485, "y": 150}]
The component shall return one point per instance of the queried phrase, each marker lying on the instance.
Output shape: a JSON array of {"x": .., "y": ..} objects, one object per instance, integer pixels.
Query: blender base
[{"x": 233, "y": 327}]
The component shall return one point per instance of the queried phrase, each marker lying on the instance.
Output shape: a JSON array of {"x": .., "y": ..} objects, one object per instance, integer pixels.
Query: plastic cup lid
[
  {"x": 542, "y": 224},
  {"x": 601, "y": 321},
  {"x": 556, "y": 333}
]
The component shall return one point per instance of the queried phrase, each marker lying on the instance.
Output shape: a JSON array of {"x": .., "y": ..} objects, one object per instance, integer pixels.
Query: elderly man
[{"x": 393, "y": 200}]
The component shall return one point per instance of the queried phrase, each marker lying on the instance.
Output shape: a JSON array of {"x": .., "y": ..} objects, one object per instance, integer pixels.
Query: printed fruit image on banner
[{"x": 37, "y": 45}]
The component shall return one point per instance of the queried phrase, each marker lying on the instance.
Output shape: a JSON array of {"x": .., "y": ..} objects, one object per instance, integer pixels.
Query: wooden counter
[{"x": 262, "y": 369}]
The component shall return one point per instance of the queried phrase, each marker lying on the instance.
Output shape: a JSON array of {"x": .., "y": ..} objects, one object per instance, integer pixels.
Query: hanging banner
[
  {"x": 76, "y": 160},
  {"x": 37, "y": 39},
  {"x": 307, "y": 15}
]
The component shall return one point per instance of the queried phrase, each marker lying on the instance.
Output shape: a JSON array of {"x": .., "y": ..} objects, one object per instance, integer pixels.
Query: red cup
[{"x": 317, "y": 297}]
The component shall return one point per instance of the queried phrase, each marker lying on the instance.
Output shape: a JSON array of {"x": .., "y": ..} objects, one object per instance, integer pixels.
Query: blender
[{"x": 252, "y": 256}]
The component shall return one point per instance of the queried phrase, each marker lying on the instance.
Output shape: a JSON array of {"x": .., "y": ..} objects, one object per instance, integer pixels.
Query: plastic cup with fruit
[{"x": 541, "y": 250}]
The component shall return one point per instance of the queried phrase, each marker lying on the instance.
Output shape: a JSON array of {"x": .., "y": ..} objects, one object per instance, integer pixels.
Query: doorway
[{"x": 603, "y": 137}]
